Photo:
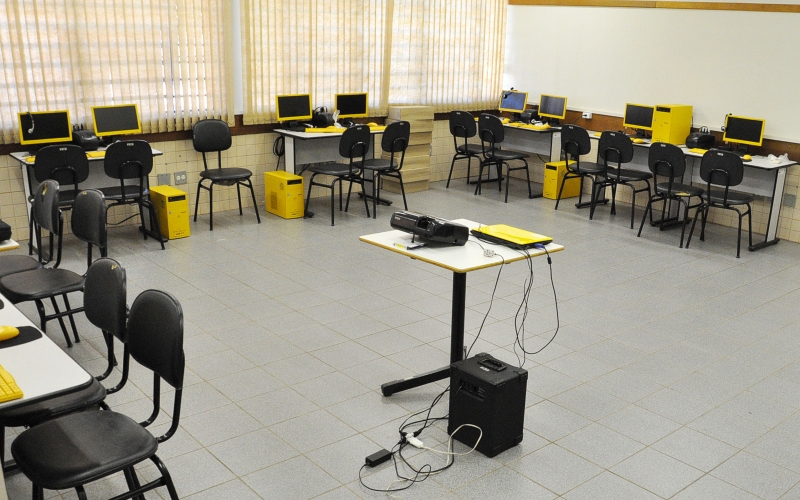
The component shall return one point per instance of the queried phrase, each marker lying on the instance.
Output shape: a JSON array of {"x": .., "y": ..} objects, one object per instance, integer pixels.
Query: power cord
[{"x": 520, "y": 337}]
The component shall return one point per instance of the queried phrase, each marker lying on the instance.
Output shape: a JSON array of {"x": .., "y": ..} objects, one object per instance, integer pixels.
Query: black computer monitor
[
  {"x": 553, "y": 107},
  {"x": 44, "y": 127},
  {"x": 119, "y": 119},
  {"x": 513, "y": 101},
  {"x": 743, "y": 130},
  {"x": 293, "y": 107},
  {"x": 352, "y": 105},
  {"x": 638, "y": 117}
]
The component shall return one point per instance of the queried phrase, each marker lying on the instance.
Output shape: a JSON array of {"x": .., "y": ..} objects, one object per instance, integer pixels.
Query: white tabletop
[
  {"x": 459, "y": 259},
  {"x": 761, "y": 162},
  {"x": 21, "y": 156},
  {"x": 319, "y": 135},
  {"x": 40, "y": 367}
]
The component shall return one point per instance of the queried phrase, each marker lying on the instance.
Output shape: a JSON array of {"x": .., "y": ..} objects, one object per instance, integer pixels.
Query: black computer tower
[{"x": 490, "y": 394}]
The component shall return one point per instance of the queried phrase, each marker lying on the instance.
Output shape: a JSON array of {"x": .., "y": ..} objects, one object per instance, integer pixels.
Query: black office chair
[
  {"x": 215, "y": 136},
  {"x": 726, "y": 170},
  {"x": 575, "y": 143},
  {"x": 394, "y": 141},
  {"x": 88, "y": 225},
  {"x": 492, "y": 134},
  {"x": 130, "y": 162},
  {"x": 668, "y": 160},
  {"x": 463, "y": 128},
  {"x": 71, "y": 451},
  {"x": 617, "y": 148},
  {"x": 66, "y": 164},
  {"x": 353, "y": 145},
  {"x": 104, "y": 303}
]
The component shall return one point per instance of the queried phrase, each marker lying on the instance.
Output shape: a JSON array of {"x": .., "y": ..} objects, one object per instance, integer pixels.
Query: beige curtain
[
  {"x": 448, "y": 54},
  {"x": 317, "y": 47},
  {"x": 168, "y": 56}
]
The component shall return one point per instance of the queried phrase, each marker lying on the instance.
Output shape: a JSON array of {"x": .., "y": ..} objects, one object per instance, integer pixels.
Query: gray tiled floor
[{"x": 676, "y": 373}]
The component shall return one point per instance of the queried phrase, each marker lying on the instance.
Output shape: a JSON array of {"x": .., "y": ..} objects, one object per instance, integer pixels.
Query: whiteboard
[{"x": 744, "y": 63}]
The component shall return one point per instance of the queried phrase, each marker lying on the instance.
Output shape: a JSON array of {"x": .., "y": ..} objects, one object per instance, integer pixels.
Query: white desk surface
[
  {"x": 21, "y": 155},
  {"x": 459, "y": 259},
  {"x": 319, "y": 135},
  {"x": 521, "y": 126},
  {"x": 40, "y": 367}
]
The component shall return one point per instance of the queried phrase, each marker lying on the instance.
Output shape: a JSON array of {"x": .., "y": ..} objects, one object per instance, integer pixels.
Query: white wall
[{"x": 745, "y": 63}]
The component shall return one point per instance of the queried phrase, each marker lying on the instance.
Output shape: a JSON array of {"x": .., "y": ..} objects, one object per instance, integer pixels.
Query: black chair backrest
[
  {"x": 211, "y": 135},
  {"x": 722, "y": 168},
  {"x": 490, "y": 129},
  {"x": 155, "y": 341},
  {"x": 615, "y": 147},
  {"x": 89, "y": 217},
  {"x": 66, "y": 164},
  {"x": 105, "y": 297},
  {"x": 128, "y": 160},
  {"x": 462, "y": 124},
  {"x": 575, "y": 141},
  {"x": 44, "y": 208},
  {"x": 666, "y": 160},
  {"x": 396, "y": 136},
  {"x": 354, "y": 143}
]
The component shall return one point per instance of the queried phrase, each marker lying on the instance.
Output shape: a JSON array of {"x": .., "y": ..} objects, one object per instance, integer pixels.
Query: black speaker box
[{"x": 490, "y": 394}]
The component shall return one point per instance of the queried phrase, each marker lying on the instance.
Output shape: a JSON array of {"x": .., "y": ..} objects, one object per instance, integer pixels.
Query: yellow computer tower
[
  {"x": 672, "y": 123},
  {"x": 554, "y": 173},
  {"x": 284, "y": 194},
  {"x": 172, "y": 211}
]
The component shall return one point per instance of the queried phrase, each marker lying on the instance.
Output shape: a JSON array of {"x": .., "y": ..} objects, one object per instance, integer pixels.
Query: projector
[{"x": 430, "y": 228}]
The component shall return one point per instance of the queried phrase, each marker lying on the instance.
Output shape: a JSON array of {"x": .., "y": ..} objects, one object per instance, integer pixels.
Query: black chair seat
[
  {"x": 66, "y": 197},
  {"x": 80, "y": 448},
  {"x": 589, "y": 168},
  {"x": 226, "y": 174},
  {"x": 338, "y": 169},
  {"x": 682, "y": 190},
  {"x": 40, "y": 284},
  {"x": 469, "y": 149},
  {"x": 130, "y": 192},
  {"x": 627, "y": 175},
  {"x": 13, "y": 264},
  {"x": 33, "y": 414},
  {"x": 378, "y": 164},
  {"x": 507, "y": 154},
  {"x": 734, "y": 197}
]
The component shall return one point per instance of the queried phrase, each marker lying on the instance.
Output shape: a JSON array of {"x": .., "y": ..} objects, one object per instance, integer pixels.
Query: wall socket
[
  {"x": 163, "y": 179},
  {"x": 180, "y": 177},
  {"x": 586, "y": 115}
]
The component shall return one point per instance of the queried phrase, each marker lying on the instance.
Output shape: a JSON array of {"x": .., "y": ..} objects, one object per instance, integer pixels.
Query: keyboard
[
  {"x": 9, "y": 390},
  {"x": 325, "y": 130},
  {"x": 95, "y": 154},
  {"x": 698, "y": 151}
]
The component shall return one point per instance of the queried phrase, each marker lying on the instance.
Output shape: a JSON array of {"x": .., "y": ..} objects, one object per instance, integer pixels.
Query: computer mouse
[
  {"x": 747, "y": 158},
  {"x": 8, "y": 332},
  {"x": 372, "y": 124},
  {"x": 638, "y": 140}
]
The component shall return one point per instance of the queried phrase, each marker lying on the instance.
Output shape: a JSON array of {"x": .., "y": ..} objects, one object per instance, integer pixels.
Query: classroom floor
[{"x": 675, "y": 373}]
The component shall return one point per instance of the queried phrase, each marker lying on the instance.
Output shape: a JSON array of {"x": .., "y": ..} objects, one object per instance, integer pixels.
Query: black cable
[
  {"x": 278, "y": 149},
  {"x": 491, "y": 300},
  {"x": 555, "y": 299},
  {"x": 126, "y": 219}
]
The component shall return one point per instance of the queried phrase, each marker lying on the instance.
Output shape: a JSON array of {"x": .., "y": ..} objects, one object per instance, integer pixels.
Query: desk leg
[
  {"x": 771, "y": 238},
  {"x": 456, "y": 343},
  {"x": 289, "y": 157}
]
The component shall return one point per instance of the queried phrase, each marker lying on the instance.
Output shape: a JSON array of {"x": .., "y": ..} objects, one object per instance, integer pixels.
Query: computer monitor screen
[
  {"x": 743, "y": 130},
  {"x": 352, "y": 105},
  {"x": 553, "y": 106},
  {"x": 44, "y": 127},
  {"x": 294, "y": 107},
  {"x": 116, "y": 120},
  {"x": 513, "y": 101},
  {"x": 638, "y": 116}
]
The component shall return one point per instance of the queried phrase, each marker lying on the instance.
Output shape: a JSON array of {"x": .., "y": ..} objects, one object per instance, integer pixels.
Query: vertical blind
[
  {"x": 435, "y": 52},
  {"x": 167, "y": 56}
]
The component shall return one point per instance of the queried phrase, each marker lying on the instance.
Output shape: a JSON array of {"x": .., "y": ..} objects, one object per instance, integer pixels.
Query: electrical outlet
[
  {"x": 163, "y": 179},
  {"x": 586, "y": 115},
  {"x": 180, "y": 177}
]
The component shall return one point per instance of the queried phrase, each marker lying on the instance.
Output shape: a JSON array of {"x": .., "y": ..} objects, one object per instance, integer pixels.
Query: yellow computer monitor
[
  {"x": 44, "y": 127},
  {"x": 638, "y": 116},
  {"x": 513, "y": 101},
  {"x": 352, "y": 104},
  {"x": 743, "y": 130},
  {"x": 119, "y": 119},
  {"x": 553, "y": 106},
  {"x": 293, "y": 107}
]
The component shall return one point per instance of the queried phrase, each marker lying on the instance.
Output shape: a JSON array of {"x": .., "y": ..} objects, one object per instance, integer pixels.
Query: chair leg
[
  {"x": 694, "y": 222},
  {"x": 469, "y": 167},
  {"x": 528, "y": 176},
  {"x": 239, "y": 196},
  {"x": 376, "y": 176},
  {"x": 132, "y": 481},
  {"x": 255, "y": 204},
  {"x": 71, "y": 318},
  {"x": 703, "y": 225},
  {"x": 197, "y": 199},
  {"x": 156, "y": 228},
  {"x": 364, "y": 197},
  {"x": 402, "y": 189},
  {"x": 173, "y": 494},
  {"x": 308, "y": 196},
  {"x": 211, "y": 206},
  {"x": 750, "y": 225},
  {"x": 37, "y": 493},
  {"x": 452, "y": 164},
  {"x": 333, "y": 197},
  {"x": 647, "y": 208},
  {"x": 109, "y": 339},
  {"x": 594, "y": 196},
  {"x": 43, "y": 319},
  {"x": 685, "y": 204},
  {"x": 508, "y": 177},
  {"x": 480, "y": 178}
]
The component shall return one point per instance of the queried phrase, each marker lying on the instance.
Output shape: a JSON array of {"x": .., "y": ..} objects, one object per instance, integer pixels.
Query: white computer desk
[
  {"x": 544, "y": 142},
  {"x": 762, "y": 177},
  {"x": 40, "y": 367},
  {"x": 460, "y": 260},
  {"x": 303, "y": 148}
]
